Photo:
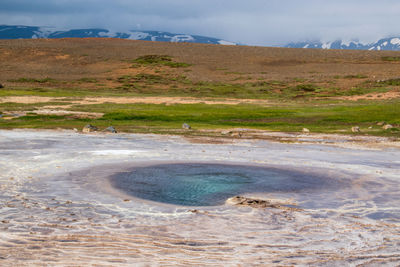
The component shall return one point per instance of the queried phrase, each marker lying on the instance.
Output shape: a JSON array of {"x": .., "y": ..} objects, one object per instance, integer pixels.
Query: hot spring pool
[{"x": 212, "y": 184}]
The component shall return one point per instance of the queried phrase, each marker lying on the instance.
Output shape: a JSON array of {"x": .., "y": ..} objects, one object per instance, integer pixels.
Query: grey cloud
[{"x": 258, "y": 22}]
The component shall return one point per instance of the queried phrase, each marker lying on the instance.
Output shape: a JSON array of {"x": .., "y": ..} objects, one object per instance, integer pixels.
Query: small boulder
[
  {"x": 186, "y": 126},
  {"x": 236, "y": 134},
  {"x": 225, "y": 132},
  {"x": 110, "y": 129},
  {"x": 387, "y": 127},
  {"x": 258, "y": 203},
  {"x": 305, "y": 130},
  {"x": 89, "y": 128},
  {"x": 355, "y": 129}
]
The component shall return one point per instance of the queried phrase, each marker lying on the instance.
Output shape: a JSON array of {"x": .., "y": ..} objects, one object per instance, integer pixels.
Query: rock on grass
[
  {"x": 186, "y": 126},
  {"x": 110, "y": 129},
  {"x": 387, "y": 127},
  {"x": 89, "y": 128}
]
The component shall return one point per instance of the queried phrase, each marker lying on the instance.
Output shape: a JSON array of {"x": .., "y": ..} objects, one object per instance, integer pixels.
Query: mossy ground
[{"x": 319, "y": 117}]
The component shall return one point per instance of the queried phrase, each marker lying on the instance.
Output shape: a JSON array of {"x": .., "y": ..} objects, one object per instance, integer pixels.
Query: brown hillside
[{"x": 74, "y": 62}]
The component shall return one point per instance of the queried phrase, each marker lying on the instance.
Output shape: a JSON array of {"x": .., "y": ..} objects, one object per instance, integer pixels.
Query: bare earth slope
[{"x": 74, "y": 58}]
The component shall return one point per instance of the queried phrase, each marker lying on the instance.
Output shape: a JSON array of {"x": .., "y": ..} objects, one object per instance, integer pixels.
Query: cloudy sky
[{"x": 255, "y": 22}]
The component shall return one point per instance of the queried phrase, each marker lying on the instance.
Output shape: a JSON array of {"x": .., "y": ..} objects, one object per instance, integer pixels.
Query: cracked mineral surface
[{"x": 58, "y": 204}]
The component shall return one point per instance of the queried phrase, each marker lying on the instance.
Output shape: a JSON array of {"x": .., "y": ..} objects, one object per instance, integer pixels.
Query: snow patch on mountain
[
  {"x": 108, "y": 34},
  {"x": 138, "y": 35},
  {"x": 182, "y": 38},
  {"x": 395, "y": 41},
  {"x": 42, "y": 32},
  {"x": 222, "y": 42},
  {"x": 326, "y": 45}
]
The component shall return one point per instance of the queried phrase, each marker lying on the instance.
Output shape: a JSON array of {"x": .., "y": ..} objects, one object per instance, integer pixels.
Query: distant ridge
[
  {"x": 392, "y": 43},
  {"x": 32, "y": 32}
]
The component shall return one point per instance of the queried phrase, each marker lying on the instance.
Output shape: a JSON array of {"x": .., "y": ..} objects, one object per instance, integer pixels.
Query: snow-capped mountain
[
  {"x": 31, "y": 32},
  {"x": 392, "y": 43}
]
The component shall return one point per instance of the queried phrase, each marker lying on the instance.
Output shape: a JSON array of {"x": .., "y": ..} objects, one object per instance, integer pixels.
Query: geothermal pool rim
[{"x": 249, "y": 179}]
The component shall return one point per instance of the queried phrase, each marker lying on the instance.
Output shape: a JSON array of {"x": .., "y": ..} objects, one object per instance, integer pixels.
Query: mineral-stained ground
[{"x": 58, "y": 205}]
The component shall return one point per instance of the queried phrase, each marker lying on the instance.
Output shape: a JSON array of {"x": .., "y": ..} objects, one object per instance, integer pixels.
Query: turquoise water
[{"x": 209, "y": 184}]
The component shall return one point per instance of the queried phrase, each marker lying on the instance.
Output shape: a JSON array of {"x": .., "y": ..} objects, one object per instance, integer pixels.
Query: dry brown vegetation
[{"x": 108, "y": 64}]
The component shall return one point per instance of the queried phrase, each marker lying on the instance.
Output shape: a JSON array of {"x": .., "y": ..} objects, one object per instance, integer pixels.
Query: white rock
[
  {"x": 89, "y": 128},
  {"x": 387, "y": 127},
  {"x": 186, "y": 126}
]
